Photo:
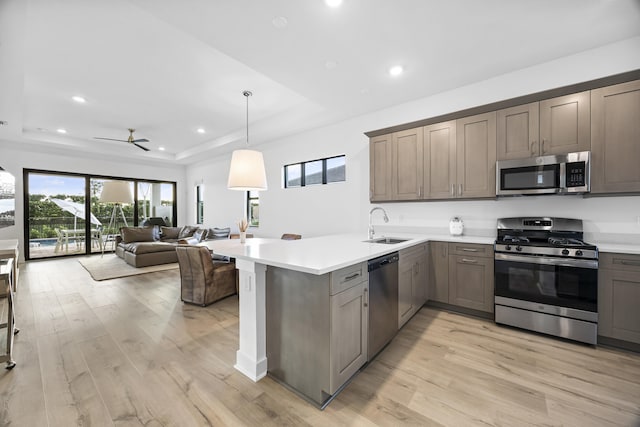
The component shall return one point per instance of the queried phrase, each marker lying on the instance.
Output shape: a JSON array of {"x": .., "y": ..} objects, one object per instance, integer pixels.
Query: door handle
[
  {"x": 366, "y": 297},
  {"x": 634, "y": 263},
  {"x": 469, "y": 261},
  {"x": 469, "y": 250},
  {"x": 453, "y": 190},
  {"x": 543, "y": 150},
  {"x": 460, "y": 190},
  {"x": 351, "y": 277},
  {"x": 533, "y": 144}
]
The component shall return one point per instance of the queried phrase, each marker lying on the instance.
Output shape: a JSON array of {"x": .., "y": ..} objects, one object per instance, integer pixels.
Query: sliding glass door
[{"x": 56, "y": 203}]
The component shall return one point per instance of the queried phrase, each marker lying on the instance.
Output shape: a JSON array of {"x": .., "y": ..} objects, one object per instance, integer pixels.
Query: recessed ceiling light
[
  {"x": 161, "y": 148},
  {"x": 330, "y": 65},
  {"x": 333, "y": 3},
  {"x": 79, "y": 99},
  {"x": 200, "y": 130},
  {"x": 60, "y": 130},
  {"x": 280, "y": 22},
  {"x": 396, "y": 70}
]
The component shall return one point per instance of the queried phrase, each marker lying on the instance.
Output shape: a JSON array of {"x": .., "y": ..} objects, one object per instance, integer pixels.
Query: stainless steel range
[{"x": 546, "y": 277}]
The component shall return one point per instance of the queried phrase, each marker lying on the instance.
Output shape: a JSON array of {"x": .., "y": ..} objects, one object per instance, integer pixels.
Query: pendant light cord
[{"x": 247, "y": 94}]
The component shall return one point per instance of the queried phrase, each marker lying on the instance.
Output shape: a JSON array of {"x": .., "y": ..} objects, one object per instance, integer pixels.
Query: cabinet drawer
[
  {"x": 623, "y": 262},
  {"x": 473, "y": 249},
  {"x": 347, "y": 277}
]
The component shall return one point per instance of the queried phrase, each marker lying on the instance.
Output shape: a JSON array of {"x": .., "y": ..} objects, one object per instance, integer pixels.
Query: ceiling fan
[{"x": 130, "y": 140}]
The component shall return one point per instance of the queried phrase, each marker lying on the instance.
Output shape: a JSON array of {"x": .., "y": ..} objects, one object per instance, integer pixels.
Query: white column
[{"x": 251, "y": 357}]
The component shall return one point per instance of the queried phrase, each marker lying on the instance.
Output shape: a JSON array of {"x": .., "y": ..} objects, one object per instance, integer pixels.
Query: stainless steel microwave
[{"x": 559, "y": 174}]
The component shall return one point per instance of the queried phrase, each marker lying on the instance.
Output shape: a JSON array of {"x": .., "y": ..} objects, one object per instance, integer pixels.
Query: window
[
  {"x": 199, "y": 204},
  {"x": 253, "y": 208},
  {"x": 323, "y": 171}
]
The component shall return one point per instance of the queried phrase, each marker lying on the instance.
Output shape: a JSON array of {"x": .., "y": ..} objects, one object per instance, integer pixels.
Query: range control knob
[
  {"x": 565, "y": 252},
  {"x": 508, "y": 247},
  {"x": 519, "y": 248},
  {"x": 579, "y": 253}
]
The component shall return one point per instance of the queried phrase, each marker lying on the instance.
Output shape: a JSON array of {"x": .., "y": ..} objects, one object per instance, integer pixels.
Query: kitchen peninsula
[{"x": 329, "y": 257}]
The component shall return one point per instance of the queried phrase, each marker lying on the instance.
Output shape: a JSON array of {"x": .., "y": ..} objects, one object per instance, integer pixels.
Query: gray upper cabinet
[
  {"x": 615, "y": 133},
  {"x": 380, "y": 168},
  {"x": 439, "y": 160},
  {"x": 565, "y": 124},
  {"x": 553, "y": 126},
  {"x": 406, "y": 165},
  {"x": 476, "y": 156},
  {"x": 518, "y": 132}
]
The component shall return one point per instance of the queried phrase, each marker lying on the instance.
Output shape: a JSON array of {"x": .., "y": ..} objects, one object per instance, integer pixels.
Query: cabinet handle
[
  {"x": 469, "y": 261},
  {"x": 460, "y": 190},
  {"x": 351, "y": 277},
  {"x": 634, "y": 263},
  {"x": 543, "y": 150},
  {"x": 453, "y": 190},
  {"x": 366, "y": 297},
  {"x": 533, "y": 144},
  {"x": 469, "y": 250}
]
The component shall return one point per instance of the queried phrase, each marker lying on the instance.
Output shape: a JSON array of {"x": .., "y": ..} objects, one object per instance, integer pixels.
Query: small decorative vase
[{"x": 243, "y": 236}]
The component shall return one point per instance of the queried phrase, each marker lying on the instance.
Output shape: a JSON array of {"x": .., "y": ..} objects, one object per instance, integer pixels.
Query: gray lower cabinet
[
  {"x": 462, "y": 275},
  {"x": 412, "y": 281},
  {"x": 619, "y": 297},
  {"x": 316, "y": 328},
  {"x": 439, "y": 272}
]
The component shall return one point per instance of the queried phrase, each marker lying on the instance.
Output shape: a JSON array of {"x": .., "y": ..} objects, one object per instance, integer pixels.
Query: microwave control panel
[{"x": 576, "y": 174}]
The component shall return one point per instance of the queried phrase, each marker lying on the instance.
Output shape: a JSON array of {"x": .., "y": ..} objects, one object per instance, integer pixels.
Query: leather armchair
[{"x": 202, "y": 281}]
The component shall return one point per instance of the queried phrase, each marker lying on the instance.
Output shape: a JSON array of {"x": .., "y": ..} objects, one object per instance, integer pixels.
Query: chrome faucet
[{"x": 386, "y": 219}]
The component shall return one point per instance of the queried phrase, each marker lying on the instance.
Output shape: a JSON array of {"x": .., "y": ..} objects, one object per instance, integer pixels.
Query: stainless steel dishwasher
[{"x": 383, "y": 302}]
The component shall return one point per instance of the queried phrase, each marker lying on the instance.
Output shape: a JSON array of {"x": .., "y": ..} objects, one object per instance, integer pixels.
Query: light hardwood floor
[{"x": 128, "y": 352}]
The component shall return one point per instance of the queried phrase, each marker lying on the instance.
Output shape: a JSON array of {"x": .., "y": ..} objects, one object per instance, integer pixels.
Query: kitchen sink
[{"x": 387, "y": 240}]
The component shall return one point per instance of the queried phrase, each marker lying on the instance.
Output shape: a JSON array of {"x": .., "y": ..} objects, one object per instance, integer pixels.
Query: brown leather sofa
[
  {"x": 144, "y": 246},
  {"x": 203, "y": 281}
]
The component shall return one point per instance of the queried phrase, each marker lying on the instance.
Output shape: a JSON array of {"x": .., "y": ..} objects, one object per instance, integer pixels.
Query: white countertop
[
  {"x": 320, "y": 255},
  {"x": 619, "y": 248}
]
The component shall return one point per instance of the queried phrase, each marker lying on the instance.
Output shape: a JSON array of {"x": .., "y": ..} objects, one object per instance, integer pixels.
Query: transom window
[{"x": 314, "y": 172}]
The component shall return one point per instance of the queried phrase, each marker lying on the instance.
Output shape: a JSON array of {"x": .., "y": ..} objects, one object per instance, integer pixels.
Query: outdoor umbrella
[{"x": 77, "y": 209}]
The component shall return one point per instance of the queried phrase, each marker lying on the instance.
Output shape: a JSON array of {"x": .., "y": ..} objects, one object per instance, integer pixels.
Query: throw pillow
[
  {"x": 170, "y": 232},
  {"x": 200, "y": 234},
  {"x": 188, "y": 241},
  {"x": 135, "y": 234},
  {"x": 187, "y": 231},
  {"x": 218, "y": 233}
]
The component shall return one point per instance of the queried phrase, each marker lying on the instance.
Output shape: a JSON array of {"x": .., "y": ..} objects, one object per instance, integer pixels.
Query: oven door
[{"x": 561, "y": 282}]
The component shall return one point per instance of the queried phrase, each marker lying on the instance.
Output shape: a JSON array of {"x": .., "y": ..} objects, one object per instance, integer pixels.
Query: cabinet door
[
  {"x": 618, "y": 302},
  {"x": 420, "y": 288},
  {"x": 405, "y": 292},
  {"x": 439, "y": 161},
  {"x": 349, "y": 327},
  {"x": 406, "y": 168},
  {"x": 380, "y": 168},
  {"x": 471, "y": 282},
  {"x": 476, "y": 155},
  {"x": 517, "y": 132},
  {"x": 615, "y": 136},
  {"x": 439, "y": 280},
  {"x": 565, "y": 124}
]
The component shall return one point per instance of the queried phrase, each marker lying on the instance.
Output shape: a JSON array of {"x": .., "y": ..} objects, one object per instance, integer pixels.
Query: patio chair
[{"x": 59, "y": 242}]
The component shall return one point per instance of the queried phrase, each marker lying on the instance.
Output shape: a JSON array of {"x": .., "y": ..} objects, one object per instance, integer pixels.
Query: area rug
[{"x": 111, "y": 267}]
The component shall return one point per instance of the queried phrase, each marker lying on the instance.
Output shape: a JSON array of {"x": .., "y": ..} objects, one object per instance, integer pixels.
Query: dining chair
[{"x": 288, "y": 236}]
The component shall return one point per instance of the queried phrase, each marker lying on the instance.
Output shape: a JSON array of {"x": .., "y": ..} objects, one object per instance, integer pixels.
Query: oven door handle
[{"x": 563, "y": 262}]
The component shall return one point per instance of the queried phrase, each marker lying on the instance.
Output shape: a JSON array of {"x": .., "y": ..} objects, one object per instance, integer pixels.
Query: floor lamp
[{"x": 116, "y": 192}]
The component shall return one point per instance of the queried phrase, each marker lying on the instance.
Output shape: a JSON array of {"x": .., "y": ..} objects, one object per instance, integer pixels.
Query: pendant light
[{"x": 247, "y": 172}]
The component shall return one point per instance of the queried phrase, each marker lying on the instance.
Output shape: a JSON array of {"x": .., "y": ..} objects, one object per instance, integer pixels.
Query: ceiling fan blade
[
  {"x": 140, "y": 140},
  {"x": 140, "y": 146},
  {"x": 110, "y": 139}
]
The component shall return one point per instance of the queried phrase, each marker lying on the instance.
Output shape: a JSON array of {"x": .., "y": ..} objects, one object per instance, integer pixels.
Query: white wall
[
  {"x": 344, "y": 207},
  {"x": 15, "y": 160}
]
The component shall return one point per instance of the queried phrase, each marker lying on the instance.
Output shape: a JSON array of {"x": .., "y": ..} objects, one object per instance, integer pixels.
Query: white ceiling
[{"x": 168, "y": 67}]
